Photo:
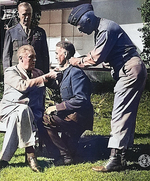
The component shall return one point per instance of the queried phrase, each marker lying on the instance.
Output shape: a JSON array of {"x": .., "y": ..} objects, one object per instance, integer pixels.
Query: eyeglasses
[{"x": 30, "y": 57}]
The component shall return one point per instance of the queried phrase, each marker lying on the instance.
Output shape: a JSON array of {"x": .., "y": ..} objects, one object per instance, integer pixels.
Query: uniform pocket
[{"x": 66, "y": 93}]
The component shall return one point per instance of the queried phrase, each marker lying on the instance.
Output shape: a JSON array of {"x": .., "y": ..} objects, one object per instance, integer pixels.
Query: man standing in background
[{"x": 22, "y": 34}]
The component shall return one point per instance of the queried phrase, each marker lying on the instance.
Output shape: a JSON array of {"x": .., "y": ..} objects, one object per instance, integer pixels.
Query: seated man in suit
[
  {"x": 74, "y": 114},
  {"x": 22, "y": 106}
]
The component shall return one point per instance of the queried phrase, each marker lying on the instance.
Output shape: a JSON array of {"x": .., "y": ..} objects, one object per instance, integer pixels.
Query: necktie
[
  {"x": 27, "y": 31},
  {"x": 29, "y": 74}
]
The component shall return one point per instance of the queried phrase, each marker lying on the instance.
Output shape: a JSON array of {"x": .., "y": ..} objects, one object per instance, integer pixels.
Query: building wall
[
  {"x": 54, "y": 22},
  {"x": 124, "y": 12}
]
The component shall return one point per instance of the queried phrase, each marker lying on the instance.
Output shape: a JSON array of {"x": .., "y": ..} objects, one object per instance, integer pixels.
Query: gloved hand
[
  {"x": 51, "y": 109},
  {"x": 48, "y": 121}
]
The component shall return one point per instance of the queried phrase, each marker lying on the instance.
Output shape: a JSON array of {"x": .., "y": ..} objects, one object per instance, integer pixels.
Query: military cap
[{"x": 77, "y": 12}]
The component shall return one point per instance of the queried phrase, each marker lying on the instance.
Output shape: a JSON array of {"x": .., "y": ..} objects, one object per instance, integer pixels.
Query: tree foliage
[{"x": 145, "y": 13}]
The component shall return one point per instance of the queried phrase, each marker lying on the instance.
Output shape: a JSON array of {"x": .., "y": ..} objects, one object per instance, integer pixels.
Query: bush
[{"x": 145, "y": 13}]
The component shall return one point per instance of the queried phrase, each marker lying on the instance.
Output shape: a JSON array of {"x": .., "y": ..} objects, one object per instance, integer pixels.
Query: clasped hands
[{"x": 51, "y": 75}]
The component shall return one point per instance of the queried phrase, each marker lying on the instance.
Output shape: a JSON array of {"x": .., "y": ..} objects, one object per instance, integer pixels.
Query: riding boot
[{"x": 116, "y": 162}]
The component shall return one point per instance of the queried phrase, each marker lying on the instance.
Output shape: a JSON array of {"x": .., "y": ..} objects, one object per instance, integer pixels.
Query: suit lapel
[
  {"x": 22, "y": 72},
  {"x": 20, "y": 30}
]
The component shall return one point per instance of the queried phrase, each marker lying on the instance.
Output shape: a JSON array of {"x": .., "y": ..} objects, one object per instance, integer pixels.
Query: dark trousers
[
  {"x": 64, "y": 135},
  {"x": 44, "y": 138}
]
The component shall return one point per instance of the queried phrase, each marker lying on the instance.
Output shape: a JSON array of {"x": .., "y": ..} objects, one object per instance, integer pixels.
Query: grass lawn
[{"x": 92, "y": 150}]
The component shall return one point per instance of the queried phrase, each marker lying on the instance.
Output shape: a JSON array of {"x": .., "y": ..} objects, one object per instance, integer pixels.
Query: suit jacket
[
  {"x": 21, "y": 106},
  {"x": 15, "y": 37},
  {"x": 19, "y": 89},
  {"x": 75, "y": 90}
]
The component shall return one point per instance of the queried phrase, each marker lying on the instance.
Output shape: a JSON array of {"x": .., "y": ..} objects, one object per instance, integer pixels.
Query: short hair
[
  {"x": 68, "y": 46},
  {"x": 26, "y": 5},
  {"x": 25, "y": 48}
]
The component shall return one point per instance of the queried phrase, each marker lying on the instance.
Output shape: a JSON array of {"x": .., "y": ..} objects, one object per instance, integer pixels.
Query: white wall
[
  {"x": 134, "y": 34},
  {"x": 125, "y": 13}
]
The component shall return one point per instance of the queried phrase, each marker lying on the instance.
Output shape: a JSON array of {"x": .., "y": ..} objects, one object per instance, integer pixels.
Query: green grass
[{"x": 102, "y": 103}]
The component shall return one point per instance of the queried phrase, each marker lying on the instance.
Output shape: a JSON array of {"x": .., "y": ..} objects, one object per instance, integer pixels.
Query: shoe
[
  {"x": 112, "y": 165},
  {"x": 67, "y": 160},
  {"x": 117, "y": 162},
  {"x": 32, "y": 162},
  {"x": 64, "y": 160},
  {"x": 3, "y": 164}
]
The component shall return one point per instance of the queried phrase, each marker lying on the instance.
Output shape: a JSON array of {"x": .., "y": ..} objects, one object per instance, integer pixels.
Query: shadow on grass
[
  {"x": 90, "y": 148},
  {"x": 134, "y": 153},
  {"x": 93, "y": 148},
  {"x": 42, "y": 163},
  {"x": 20, "y": 164},
  {"x": 141, "y": 135},
  {"x": 136, "y": 166},
  {"x": 19, "y": 154}
]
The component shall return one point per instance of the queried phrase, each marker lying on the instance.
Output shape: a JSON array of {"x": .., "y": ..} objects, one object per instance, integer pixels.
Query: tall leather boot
[
  {"x": 65, "y": 157},
  {"x": 116, "y": 162}
]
